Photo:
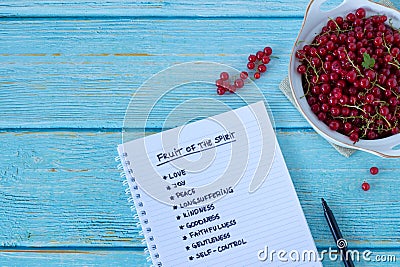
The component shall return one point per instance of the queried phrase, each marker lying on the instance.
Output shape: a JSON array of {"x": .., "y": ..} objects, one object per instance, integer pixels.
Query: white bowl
[{"x": 314, "y": 20}]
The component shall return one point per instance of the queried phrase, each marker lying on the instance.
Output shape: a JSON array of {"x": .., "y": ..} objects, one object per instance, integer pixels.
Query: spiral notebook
[{"x": 217, "y": 192}]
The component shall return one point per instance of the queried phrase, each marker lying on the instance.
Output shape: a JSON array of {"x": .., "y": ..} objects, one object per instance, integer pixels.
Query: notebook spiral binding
[{"x": 137, "y": 206}]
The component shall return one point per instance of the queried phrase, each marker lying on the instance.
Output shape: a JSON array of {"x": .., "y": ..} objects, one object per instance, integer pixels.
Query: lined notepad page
[{"x": 234, "y": 229}]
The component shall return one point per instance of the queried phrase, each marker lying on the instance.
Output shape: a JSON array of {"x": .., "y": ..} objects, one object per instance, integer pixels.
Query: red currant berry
[
  {"x": 315, "y": 108},
  {"x": 300, "y": 54},
  {"x": 351, "y": 17},
  {"x": 334, "y": 125},
  {"x": 360, "y": 13},
  {"x": 244, "y": 75},
  {"x": 365, "y": 186},
  {"x": 378, "y": 41},
  {"x": 348, "y": 127},
  {"x": 232, "y": 88},
  {"x": 391, "y": 83},
  {"x": 364, "y": 83},
  {"x": 251, "y": 65},
  {"x": 239, "y": 83},
  {"x": 219, "y": 82},
  {"x": 351, "y": 76},
  {"x": 339, "y": 20},
  {"x": 220, "y": 90},
  {"x": 267, "y": 51},
  {"x": 345, "y": 111},
  {"x": 354, "y": 137},
  {"x": 266, "y": 59},
  {"x": 384, "y": 111},
  {"x": 369, "y": 98},
  {"x": 259, "y": 55},
  {"x": 257, "y": 75},
  {"x": 393, "y": 101},
  {"x": 262, "y": 68},
  {"x": 322, "y": 116},
  {"x": 252, "y": 58},
  {"x": 224, "y": 76},
  {"x": 301, "y": 69},
  {"x": 374, "y": 170},
  {"x": 395, "y": 51}
]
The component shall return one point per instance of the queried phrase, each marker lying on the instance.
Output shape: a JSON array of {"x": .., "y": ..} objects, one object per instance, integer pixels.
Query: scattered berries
[
  {"x": 374, "y": 170},
  {"x": 255, "y": 62},
  {"x": 365, "y": 186},
  {"x": 351, "y": 76}
]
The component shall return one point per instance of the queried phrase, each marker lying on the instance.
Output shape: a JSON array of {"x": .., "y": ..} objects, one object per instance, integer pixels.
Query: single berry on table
[
  {"x": 365, "y": 186},
  {"x": 374, "y": 170}
]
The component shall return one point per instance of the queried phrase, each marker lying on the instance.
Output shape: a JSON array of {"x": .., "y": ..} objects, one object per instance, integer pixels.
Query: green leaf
[{"x": 368, "y": 62}]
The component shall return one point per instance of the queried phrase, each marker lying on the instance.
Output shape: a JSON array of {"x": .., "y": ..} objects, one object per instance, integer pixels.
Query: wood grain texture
[
  {"x": 138, "y": 259},
  {"x": 81, "y": 74},
  {"x": 162, "y": 8},
  {"x": 71, "y": 257},
  {"x": 67, "y": 72},
  {"x": 62, "y": 189}
]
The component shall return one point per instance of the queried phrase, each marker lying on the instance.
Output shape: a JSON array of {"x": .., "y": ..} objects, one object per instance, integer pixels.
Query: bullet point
[
  {"x": 184, "y": 237},
  {"x": 171, "y": 197},
  {"x": 181, "y": 227},
  {"x": 191, "y": 258},
  {"x": 175, "y": 207},
  {"x": 187, "y": 247},
  {"x": 178, "y": 217},
  {"x": 168, "y": 187},
  {"x": 165, "y": 177}
]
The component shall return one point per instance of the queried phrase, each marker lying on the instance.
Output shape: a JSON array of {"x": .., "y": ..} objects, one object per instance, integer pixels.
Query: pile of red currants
[{"x": 351, "y": 75}]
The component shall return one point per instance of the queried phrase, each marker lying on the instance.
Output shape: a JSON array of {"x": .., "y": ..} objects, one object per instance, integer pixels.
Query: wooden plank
[
  {"x": 62, "y": 189},
  {"x": 82, "y": 73},
  {"x": 207, "y": 8},
  {"x": 72, "y": 257},
  {"x": 77, "y": 257}
]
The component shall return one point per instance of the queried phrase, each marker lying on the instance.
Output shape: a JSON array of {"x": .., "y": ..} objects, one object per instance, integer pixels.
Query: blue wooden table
[{"x": 67, "y": 72}]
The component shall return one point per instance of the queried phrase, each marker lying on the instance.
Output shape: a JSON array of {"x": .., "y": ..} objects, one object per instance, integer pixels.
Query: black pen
[{"x": 341, "y": 243}]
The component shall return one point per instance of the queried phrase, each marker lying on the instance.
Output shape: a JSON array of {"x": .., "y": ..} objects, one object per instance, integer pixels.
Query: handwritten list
[{"x": 191, "y": 189}]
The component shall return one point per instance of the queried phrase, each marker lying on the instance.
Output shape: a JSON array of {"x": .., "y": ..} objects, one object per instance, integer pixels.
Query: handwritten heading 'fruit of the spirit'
[{"x": 205, "y": 144}]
